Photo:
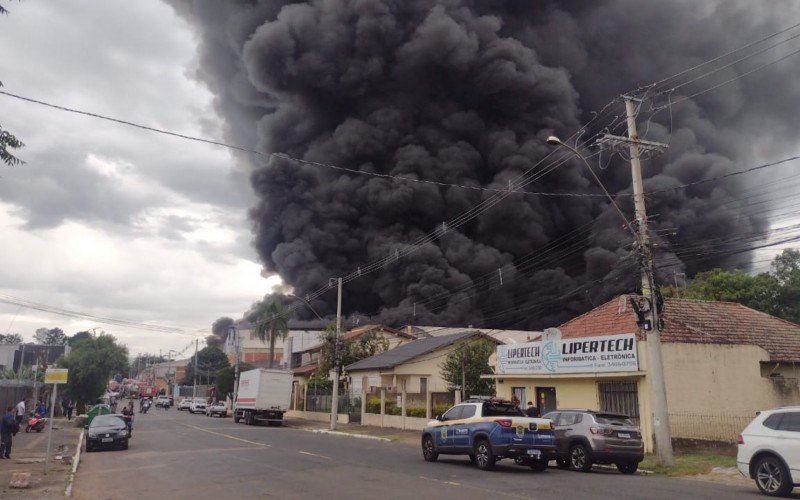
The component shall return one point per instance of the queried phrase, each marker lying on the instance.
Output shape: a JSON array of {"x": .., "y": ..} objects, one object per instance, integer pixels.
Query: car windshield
[
  {"x": 107, "y": 420},
  {"x": 502, "y": 410},
  {"x": 612, "y": 419}
]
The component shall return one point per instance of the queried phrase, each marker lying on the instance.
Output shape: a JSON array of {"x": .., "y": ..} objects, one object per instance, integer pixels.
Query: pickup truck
[{"x": 490, "y": 430}]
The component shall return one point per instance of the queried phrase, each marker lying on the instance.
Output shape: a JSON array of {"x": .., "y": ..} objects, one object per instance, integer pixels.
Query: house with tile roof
[{"x": 722, "y": 363}]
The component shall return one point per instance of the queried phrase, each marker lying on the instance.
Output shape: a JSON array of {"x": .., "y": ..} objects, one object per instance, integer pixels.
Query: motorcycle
[
  {"x": 36, "y": 423},
  {"x": 145, "y": 406}
]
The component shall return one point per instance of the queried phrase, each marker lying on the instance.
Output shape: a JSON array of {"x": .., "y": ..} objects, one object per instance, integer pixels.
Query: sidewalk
[
  {"x": 27, "y": 455},
  {"x": 395, "y": 435}
]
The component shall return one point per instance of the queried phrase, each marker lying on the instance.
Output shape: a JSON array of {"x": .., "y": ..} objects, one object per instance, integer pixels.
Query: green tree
[
  {"x": 209, "y": 361},
  {"x": 10, "y": 338},
  {"x": 352, "y": 350},
  {"x": 225, "y": 378},
  {"x": 51, "y": 336},
  {"x": 786, "y": 269},
  {"x": 91, "y": 363},
  {"x": 759, "y": 292},
  {"x": 78, "y": 337},
  {"x": 271, "y": 321},
  {"x": 7, "y": 139},
  {"x": 471, "y": 358}
]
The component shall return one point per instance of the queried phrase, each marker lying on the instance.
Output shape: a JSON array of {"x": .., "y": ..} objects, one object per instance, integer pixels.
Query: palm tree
[{"x": 273, "y": 324}]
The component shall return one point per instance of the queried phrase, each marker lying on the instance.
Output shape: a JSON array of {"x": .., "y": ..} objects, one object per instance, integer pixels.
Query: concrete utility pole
[
  {"x": 194, "y": 385},
  {"x": 235, "y": 337},
  {"x": 655, "y": 364},
  {"x": 336, "y": 361}
]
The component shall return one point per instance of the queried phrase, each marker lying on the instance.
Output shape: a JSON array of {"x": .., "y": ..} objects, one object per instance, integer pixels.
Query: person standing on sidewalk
[
  {"x": 20, "y": 411},
  {"x": 70, "y": 407},
  {"x": 8, "y": 427}
]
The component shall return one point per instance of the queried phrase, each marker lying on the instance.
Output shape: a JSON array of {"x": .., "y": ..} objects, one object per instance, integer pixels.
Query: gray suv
[{"x": 586, "y": 437}]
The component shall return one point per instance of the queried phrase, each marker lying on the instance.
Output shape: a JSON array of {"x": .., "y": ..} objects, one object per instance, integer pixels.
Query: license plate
[
  {"x": 108, "y": 440},
  {"x": 624, "y": 435},
  {"x": 534, "y": 453}
]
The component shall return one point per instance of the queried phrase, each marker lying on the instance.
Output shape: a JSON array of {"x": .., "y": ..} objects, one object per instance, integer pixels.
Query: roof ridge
[{"x": 769, "y": 315}]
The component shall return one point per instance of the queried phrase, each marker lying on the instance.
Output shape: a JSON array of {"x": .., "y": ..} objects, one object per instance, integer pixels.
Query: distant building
[{"x": 252, "y": 350}]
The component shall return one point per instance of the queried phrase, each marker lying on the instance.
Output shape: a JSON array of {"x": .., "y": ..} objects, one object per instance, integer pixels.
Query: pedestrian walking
[
  {"x": 20, "y": 411},
  {"x": 70, "y": 407},
  {"x": 127, "y": 415},
  {"x": 8, "y": 427}
]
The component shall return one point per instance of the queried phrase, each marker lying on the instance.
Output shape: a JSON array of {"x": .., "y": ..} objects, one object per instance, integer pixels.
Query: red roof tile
[
  {"x": 305, "y": 369},
  {"x": 696, "y": 321}
]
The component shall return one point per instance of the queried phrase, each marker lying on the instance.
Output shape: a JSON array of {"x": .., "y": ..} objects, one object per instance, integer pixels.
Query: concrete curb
[
  {"x": 75, "y": 461},
  {"x": 349, "y": 434},
  {"x": 640, "y": 472}
]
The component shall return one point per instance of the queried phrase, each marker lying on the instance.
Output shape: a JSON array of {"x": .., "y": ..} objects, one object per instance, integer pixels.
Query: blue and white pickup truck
[{"x": 487, "y": 431}]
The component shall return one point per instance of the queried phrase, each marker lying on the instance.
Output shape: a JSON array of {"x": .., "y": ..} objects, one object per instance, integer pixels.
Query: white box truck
[{"x": 264, "y": 396}]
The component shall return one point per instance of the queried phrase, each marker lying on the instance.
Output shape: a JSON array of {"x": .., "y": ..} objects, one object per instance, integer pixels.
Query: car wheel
[
  {"x": 562, "y": 463},
  {"x": 89, "y": 448},
  {"x": 125, "y": 445},
  {"x": 472, "y": 458},
  {"x": 772, "y": 478},
  {"x": 539, "y": 465},
  {"x": 484, "y": 456},
  {"x": 235, "y": 419},
  {"x": 627, "y": 467},
  {"x": 428, "y": 450},
  {"x": 579, "y": 458}
]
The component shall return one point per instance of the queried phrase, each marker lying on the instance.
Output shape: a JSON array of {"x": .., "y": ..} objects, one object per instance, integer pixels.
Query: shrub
[
  {"x": 374, "y": 405},
  {"x": 416, "y": 411},
  {"x": 439, "y": 409},
  {"x": 393, "y": 410}
]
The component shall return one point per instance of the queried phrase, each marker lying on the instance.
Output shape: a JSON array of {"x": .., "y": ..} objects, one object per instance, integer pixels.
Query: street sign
[{"x": 55, "y": 376}]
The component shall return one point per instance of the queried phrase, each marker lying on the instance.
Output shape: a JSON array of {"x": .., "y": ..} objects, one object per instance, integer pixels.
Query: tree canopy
[
  {"x": 7, "y": 140},
  {"x": 363, "y": 346},
  {"x": 473, "y": 355},
  {"x": 776, "y": 292},
  {"x": 225, "y": 378},
  {"x": 51, "y": 336},
  {"x": 10, "y": 338},
  {"x": 209, "y": 361},
  {"x": 91, "y": 363},
  {"x": 271, "y": 321}
]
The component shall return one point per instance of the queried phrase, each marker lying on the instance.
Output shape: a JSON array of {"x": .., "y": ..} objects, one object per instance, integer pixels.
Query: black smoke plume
[{"x": 466, "y": 92}]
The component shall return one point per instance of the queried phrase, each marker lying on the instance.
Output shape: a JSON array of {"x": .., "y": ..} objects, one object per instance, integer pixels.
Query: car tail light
[
  {"x": 505, "y": 422},
  {"x": 601, "y": 431},
  {"x": 740, "y": 439}
]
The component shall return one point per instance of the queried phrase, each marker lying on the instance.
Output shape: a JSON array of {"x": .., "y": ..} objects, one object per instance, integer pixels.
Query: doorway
[
  {"x": 519, "y": 392},
  {"x": 546, "y": 399}
]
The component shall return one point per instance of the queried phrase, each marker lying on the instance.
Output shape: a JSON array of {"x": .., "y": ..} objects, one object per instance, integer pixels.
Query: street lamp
[
  {"x": 555, "y": 141},
  {"x": 169, "y": 370}
]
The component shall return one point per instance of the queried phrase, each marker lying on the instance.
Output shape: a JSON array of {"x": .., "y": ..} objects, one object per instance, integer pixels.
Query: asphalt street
[{"x": 177, "y": 455}]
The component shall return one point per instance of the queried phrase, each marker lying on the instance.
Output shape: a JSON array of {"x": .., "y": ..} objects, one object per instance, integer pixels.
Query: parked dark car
[
  {"x": 107, "y": 431},
  {"x": 586, "y": 437}
]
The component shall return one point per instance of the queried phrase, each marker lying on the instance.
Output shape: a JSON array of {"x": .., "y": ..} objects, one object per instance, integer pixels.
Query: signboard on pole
[
  {"x": 55, "y": 376},
  {"x": 554, "y": 355}
]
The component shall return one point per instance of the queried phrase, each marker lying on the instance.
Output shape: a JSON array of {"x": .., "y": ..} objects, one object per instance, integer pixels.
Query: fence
[
  {"x": 713, "y": 427},
  {"x": 13, "y": 391},
  {"x": 322, "y": 400}
]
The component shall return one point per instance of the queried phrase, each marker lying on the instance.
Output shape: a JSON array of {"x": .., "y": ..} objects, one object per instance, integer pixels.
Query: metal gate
[{"x": 620, "y": 397}]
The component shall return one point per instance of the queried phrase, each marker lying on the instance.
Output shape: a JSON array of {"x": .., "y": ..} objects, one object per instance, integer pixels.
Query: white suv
[
  {"x": 769, "y": 450},
  {"x": 198, "y": 406}
]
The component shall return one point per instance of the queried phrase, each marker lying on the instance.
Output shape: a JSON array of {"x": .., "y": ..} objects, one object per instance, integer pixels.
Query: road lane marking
[
  {"x": 227, "y": 435},
  {"x": 314, "y": 454}
]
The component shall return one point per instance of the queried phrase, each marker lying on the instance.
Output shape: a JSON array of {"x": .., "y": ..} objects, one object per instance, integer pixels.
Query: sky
[{"x": 109, "y": 220}]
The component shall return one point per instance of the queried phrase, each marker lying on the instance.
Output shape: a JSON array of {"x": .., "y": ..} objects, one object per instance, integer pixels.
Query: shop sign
[{"x": 608, "y": 353}]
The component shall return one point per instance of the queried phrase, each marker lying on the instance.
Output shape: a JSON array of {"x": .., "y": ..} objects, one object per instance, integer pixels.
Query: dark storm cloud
[{"x": 466, "y": 92}]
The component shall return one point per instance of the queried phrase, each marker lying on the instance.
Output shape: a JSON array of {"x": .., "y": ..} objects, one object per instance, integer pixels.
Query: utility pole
[
  {"x": 337, "y": 362},
  {"x": 235, "y": 334},
  {"x": 194, "y": 385},
  {"x": 463, "y": 377},
  {"x": 651, "y": 305}
]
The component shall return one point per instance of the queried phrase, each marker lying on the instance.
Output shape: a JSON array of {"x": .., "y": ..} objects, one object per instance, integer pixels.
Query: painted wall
[{"x": 724, "y": 379}]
